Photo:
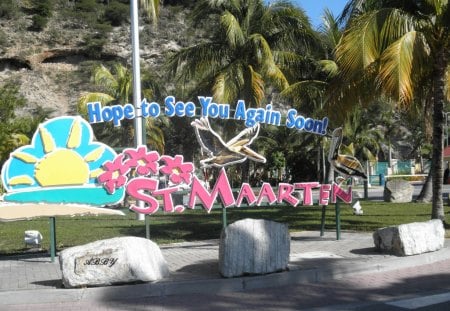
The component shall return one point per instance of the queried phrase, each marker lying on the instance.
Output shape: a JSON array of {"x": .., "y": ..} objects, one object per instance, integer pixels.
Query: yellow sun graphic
[{"x": 60, "y": 166}]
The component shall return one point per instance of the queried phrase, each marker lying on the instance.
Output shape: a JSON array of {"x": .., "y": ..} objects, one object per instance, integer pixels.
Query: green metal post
[
  {"x": 322, "y": 222},
  {"x": 224, "y": 217},
  {"x": 147, "y": 227},
  {"x": 338, "y": 220},
  {"x": 366, "y": 190},
  {"x": 52, "y": 238}
]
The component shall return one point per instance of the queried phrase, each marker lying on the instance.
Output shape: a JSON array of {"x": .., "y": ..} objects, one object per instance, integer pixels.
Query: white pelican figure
[
  {"x": 346, "y": 165},
  {"x": 221, "y": 154}
]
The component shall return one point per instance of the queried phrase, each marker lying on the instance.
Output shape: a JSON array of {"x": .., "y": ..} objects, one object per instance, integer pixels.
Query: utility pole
[{"x": 138, "y": 137}]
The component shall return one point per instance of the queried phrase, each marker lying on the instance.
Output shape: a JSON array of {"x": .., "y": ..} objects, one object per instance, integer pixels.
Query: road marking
[{"x": 420, "y": 302}]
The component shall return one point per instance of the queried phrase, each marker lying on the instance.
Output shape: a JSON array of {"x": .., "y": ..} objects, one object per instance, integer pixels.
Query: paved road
[{"x": 416, "y": 288}]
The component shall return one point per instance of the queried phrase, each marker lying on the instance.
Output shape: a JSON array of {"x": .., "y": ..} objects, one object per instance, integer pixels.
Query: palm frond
[
  {"x": 359, "y": 46},
  {"x": 151, "y": 7},
  {"x": 397, "y": 64},
  {"x": 329, "y": 66},
  {"x": 235, "y": 37},
  {"x": 330, "y": 29},
  {"x": 104, "y": 77},
  {"x": 228, "y": 83},
  {"x": 257, "y": 86},
  {"x": 308, "y": 90},
  {"x": 92, "y": 98},
  {"x": 265, "y": 61},
  {"x": 197, "y": 61}
]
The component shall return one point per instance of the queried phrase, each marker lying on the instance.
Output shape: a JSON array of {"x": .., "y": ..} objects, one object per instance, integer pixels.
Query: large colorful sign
[{"x": 65, "y": 172}]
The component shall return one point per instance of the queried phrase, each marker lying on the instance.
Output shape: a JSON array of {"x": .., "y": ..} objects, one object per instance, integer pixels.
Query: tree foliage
[
  {"x": 241, "y": 60},
  {"x": 395, "y": 48},
  {"x": 15, "y": 131}
]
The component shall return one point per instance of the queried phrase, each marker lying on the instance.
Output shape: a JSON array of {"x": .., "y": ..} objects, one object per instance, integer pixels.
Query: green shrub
[
  {"x": 86, "y": 6},
  {"x": 39, "y": 22},
  {"x": 93, "y": 46},
  {"x": 117, "y": 13},
  {"x": 8, "y": 9},
  {"x": 43, "y": 7},
  {"x": 43, "y": 11},
  {"x": 3, "y": 39}
]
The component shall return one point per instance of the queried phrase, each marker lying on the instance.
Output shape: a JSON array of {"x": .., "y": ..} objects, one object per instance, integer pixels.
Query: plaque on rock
[{"x": 112, "y": 261}]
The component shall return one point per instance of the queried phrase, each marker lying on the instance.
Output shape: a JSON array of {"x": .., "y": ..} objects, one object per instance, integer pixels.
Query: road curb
[{"x": 340, "y": 268}]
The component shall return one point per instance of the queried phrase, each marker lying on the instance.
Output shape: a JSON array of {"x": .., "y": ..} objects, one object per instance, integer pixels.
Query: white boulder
[
  {"x": 398, "y": 191},
  {"x": 411, "y": 239},
  {"x": 112, "y": 261},
  {"x": 253, "y": 246}
]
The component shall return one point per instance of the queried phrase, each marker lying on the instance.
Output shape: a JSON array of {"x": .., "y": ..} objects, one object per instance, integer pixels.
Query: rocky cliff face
[{"x": 53, "y": 68}]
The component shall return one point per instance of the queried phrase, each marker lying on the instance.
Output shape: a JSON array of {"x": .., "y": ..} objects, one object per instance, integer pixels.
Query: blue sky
[{"x": 314, "y": 8}]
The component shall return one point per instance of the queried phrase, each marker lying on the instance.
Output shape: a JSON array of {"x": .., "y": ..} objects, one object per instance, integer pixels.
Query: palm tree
[
  {"x": 309, "y": 79},
  {"x": 241, "y": 60},
  {"x": 394, "y": 48},
  {"x": 151, "y": 7},
  {"x": 116, "y": 88}
]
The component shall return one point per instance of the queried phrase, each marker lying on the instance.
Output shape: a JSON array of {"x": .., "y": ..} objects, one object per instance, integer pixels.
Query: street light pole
[
  {"x": 138, "y": 137},
  {"x": 136, "y": 73}
]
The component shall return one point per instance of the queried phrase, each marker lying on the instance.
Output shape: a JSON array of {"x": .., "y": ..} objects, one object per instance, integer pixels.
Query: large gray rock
[
  {"x": 411, "y": 239},
  {"x": 111, "y": 261},
  {"x": 253, "y": 246},
  {"x": 398, "y": 191}
]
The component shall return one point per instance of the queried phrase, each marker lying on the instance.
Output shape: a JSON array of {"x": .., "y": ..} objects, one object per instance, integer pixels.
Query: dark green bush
[
  {"x": 43, "y": 7},
  {"x": 39, "y": 22},
  {"x": 3, "y": 39},
  {"x": 42, "y": 12},
  {"x": 86, "y": 6},
  {"x": 8, "y": 9},
  {"x": 117, "y": 13},
  {"x": 93, "y": 46}
]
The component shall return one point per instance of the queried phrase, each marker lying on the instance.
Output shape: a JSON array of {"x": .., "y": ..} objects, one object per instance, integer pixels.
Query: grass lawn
[{"x": 198, "y": 225}]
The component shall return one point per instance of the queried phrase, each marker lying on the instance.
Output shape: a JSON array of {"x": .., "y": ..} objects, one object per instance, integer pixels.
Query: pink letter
[
  {"x": 167, "y": 198},
  {"x": 307, "y": 191},
  {"x": 339, "y": 192},
  {"x": 246, "y": 192},
  {"x": 285, "y": 193},
  {"x": 222, "y": 187},
  {"x": 324, "y": 194},
  {"x": 266, "y": 191},
  {"x": 135, "y": 189}
]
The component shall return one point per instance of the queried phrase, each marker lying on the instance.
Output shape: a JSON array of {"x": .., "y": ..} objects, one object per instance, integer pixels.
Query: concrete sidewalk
[{"x": 32, "y": 279}]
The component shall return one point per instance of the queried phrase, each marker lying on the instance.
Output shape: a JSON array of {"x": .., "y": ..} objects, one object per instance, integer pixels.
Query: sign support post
[
  {"x": 52, "y": 238},
  {"x": 224, "y": 217},
  {"x": 147, "y": 227}
]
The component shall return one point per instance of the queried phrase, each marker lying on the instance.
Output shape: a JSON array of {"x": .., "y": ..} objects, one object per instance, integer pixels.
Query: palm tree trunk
[
  {"x": 437, "y": 211},
  {"x": 426, "y": 194}
]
